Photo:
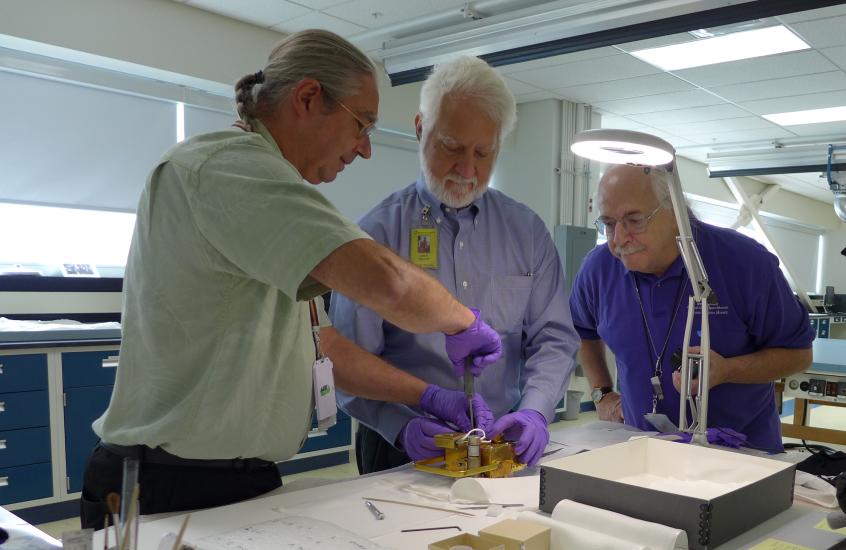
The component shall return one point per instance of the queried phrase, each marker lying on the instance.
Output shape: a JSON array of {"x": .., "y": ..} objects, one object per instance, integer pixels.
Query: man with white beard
[{"x": 492, "y": 252}]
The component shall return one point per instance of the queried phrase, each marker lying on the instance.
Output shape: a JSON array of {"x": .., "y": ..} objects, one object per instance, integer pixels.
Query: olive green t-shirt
[{"x": 216, "y": 355}]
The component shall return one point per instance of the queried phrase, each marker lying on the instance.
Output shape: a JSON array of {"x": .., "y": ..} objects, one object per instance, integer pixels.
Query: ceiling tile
[
  {"x": 319, "y": 20},
  {"x": 662, "y": 102},
  {"x": 682, "y": 116},
  {"x": 622, "y": 123},
  {"x": 625, "y": 88},
  {"x": 760, "y": 68},
  {"x": 722, "y": 125},
  {"x": 320, "y": 4},
  {"x": 602, "y": 69},
  {"x": 558, "y": 60},
  {"x": 820, "y": 13},
  {"x": 390, "y": 11},
  {"x": 536, "y": 96},
  {"x": 519, "y": 88},
  {"x": 780, "y": 87},
  {"x": 796, "y": 103},
  {"x": 823, "y": 33},
  {"x": 264, "y": 13},
  {"x": 836, "y": 55},
  {"x": 740, "y": 135}
]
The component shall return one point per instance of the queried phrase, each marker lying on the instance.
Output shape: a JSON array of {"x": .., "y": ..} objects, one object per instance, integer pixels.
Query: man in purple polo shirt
[
  {"x": 632, "y": 296},
  {"x": 492, "y": 252}
]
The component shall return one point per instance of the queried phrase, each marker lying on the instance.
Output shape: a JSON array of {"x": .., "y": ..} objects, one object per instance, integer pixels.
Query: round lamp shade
[{"x": 622, "y": 147}]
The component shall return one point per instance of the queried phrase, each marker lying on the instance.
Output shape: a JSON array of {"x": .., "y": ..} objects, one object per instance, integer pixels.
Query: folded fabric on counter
[{"x": 576, "y": 525}]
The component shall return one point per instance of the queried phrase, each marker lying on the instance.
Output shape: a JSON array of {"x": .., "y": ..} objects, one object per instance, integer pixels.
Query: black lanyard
[{"x": 657, "y": 393}]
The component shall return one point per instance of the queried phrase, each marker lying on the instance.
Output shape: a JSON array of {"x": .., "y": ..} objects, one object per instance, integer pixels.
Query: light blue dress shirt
[{"x": 497, "y": 256}]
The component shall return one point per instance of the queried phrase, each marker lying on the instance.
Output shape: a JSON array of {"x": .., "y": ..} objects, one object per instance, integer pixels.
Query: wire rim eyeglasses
[{"x": 633, "y": 223}]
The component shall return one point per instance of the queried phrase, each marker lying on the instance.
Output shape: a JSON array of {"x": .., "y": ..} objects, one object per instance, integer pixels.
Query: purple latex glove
[
  {"x": 451, "y": 406},
  {"x": 716, "y": 436},
  {"x": 418, "y": 437},
  {"x": 479, "y": 341},
  {"x": 528, "y": 428}
]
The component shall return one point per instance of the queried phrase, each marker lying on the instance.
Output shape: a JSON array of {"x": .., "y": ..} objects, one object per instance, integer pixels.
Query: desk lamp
[{"x": 639, "y": 149}]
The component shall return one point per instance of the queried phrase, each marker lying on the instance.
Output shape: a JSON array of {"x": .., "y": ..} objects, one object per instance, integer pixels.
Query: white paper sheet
[{"x": 292, "y": 532}]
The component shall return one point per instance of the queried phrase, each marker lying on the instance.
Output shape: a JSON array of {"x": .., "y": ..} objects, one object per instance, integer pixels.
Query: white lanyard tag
[{"x": 325, "y": 407}]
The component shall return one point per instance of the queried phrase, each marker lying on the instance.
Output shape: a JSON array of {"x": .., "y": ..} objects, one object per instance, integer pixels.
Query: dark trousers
[
  {"x": 173, "y": 486},
  {"x": 373, "y": 453}
]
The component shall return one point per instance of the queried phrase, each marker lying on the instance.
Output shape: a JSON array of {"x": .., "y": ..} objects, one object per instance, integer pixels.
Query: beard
[{"x": 453, "y": 190}]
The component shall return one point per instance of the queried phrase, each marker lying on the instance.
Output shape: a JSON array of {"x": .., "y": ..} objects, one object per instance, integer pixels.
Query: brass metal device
[{"x": 470, "y": 456}]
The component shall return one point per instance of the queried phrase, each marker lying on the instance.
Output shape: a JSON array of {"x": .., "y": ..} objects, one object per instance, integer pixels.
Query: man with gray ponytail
[
  {"x": 491, "y": 251},
  {"x": 218, "y": 360}
]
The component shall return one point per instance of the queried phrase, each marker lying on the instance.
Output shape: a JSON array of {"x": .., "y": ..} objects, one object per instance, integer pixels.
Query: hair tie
[{"x": 259, "y": 77}]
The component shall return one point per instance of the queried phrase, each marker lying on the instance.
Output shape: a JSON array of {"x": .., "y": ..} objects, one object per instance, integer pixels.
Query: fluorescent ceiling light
[
  {"x": 811, "y": 116},
  {"x": 720, "y": 49}
]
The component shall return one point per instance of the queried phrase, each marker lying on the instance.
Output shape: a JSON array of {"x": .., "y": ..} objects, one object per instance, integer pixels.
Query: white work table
[{"x": 342, "y": 504}]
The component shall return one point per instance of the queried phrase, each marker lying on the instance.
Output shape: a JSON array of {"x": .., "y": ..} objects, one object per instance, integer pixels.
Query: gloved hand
[
  {"x": 418, "y": 437},
  {"x": 451, "y": 406},
  {"x": 528, "y": 428},
  {"x": 478, "y": 340},
  {"x": 717, "y": 436}
]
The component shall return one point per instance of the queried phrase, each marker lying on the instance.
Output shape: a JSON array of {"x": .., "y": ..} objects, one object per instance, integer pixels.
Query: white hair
[{"x": 473, "y": 79}]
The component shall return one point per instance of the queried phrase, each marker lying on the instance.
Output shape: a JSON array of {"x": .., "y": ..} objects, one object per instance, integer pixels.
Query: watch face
[{"x": 596, "y": 395}]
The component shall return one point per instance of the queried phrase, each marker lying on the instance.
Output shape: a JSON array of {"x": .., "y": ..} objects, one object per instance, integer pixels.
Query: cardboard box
[
  {"x": 466, "y": 539},
  {"x": 518, "y": 534},
  {"x": 712, "y": 494}
]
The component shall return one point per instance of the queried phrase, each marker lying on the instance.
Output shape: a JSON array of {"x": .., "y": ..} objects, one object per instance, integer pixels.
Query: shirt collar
[
  {"x": 262, "y": 130},
  {"x": 429, "y": 199}
]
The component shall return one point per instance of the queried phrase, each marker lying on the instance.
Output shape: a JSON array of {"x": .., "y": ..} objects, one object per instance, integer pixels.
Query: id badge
[
  {"x": 423, "y": 248},
  {"x": 325, "y": 406}
]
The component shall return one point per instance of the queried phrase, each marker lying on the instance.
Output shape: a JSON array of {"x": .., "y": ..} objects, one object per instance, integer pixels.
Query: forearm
[
  {"x": 764, "y": 366},
  {"x": 372, "y": 275},
  {"x": 363, "y": 374},
  {"x": 592, "y": 360}
]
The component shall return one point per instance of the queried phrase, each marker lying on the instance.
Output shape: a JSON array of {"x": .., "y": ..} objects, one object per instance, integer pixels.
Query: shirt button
[
  {"x": 475, "y": 222},
  {"x": 437, "y": 220},
  {"x": 464, "y": 284},
  {"x": 460, "y": 244},
  {"x": 447, "y": 209}
]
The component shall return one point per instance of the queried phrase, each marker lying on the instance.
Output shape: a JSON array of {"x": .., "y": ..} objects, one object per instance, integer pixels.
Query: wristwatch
[{"x": 598, "y": 393}]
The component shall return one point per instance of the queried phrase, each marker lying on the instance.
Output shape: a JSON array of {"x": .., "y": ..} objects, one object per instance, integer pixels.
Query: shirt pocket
[{"x": 509, "y": 298}]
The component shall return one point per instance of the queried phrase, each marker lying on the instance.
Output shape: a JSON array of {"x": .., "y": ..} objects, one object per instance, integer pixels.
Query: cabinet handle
[
  {"x": 110, "y": 362},
  {"x": 316, "y": 433},
  {"x": 4, "y": 481},
  {"x": 2, "y": 406},
  {"x": 1, "y": 368},
  {"x": 2, "y": 444}
]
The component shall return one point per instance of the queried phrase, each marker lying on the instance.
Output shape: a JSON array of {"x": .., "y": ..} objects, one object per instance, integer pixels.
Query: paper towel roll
[{"x": 645, "y": 533}]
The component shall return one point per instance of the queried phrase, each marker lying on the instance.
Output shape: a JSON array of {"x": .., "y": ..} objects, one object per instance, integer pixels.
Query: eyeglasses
[
  {"x": 634, "y": 223},
  {"x": 363, "y": 129}
]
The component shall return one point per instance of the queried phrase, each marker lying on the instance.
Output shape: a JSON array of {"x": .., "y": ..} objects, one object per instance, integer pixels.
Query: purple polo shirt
[
  {"x": 495, "y": 255},
  {"x": 756, "y": 310}
]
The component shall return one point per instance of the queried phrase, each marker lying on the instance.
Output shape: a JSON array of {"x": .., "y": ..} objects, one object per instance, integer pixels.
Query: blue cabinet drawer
[
  {"x": 89, "y": 368},
  {"x": 20, "y": 447},
  {"x": 26, "y": 409},
  {"x": 336, "y": 436},
  {"x": 24, "y": 483},
  {"x": 23, "y": 372}
]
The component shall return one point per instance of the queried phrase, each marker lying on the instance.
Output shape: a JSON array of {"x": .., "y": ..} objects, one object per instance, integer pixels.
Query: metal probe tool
[{"x": 469, "y": 389}]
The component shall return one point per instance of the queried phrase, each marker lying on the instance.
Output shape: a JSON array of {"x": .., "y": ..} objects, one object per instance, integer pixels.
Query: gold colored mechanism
[{"x": 470, "y": 456}]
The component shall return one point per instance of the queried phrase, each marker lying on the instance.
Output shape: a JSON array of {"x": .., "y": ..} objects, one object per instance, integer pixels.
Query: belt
[{"x": 158, "y": 455}]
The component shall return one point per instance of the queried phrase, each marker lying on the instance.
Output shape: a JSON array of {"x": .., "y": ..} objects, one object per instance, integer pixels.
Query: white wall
[{"x": 527, "y": 166}]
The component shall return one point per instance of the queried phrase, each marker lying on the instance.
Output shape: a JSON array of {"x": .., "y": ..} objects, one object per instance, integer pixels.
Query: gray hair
[
  {"x": 660, "y": 179},
  {"x": 471, "y": 78},
  {"x": 318, "y": 54}
]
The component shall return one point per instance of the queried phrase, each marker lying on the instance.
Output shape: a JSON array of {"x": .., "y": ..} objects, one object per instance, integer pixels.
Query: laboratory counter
[{"x": 306, "y": 510}]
